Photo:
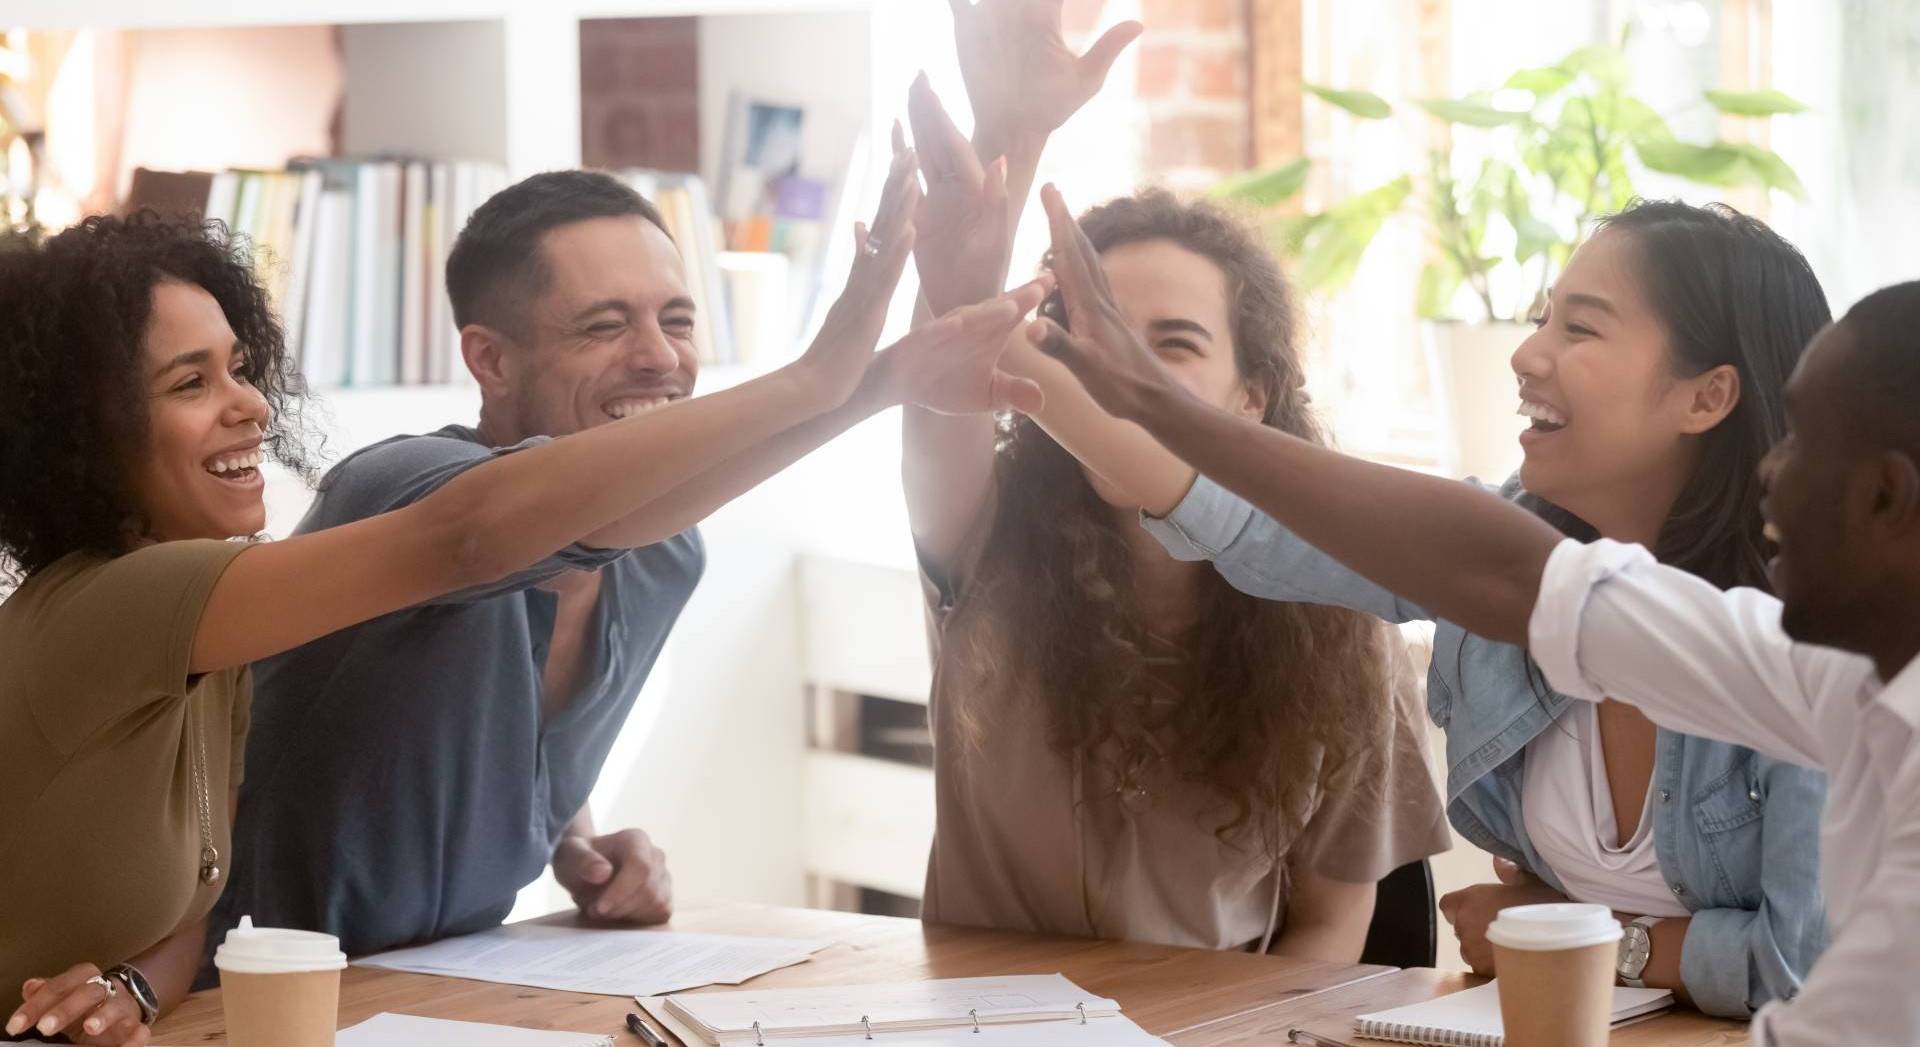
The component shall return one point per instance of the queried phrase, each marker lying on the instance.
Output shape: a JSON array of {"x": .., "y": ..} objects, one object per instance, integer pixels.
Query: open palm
[
  {"x": 1022, "y": 78},
  {"x": 964, "y": 225}
]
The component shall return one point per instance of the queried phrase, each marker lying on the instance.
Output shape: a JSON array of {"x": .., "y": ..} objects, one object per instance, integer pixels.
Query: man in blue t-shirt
[{"x": 408, "y": 776}]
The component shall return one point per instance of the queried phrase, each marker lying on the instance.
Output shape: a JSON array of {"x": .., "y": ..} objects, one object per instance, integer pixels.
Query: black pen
[
  {"x": 1302, "y": 1036},
  {"x": 639, "y": 1028}
]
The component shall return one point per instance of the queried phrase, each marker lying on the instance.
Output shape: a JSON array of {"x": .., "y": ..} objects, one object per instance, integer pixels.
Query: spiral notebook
[
  {"x": 989, "y": 1012},
  {"x": 1471, "y": 1017}
]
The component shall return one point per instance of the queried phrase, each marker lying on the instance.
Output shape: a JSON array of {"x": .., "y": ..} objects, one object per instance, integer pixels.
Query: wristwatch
[
  {"x": 138, "y": 989},
  {"x": 1636, "y": 948}
]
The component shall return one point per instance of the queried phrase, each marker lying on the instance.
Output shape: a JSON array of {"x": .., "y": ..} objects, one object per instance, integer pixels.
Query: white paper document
[
  {"x": 406, "y": 1030},
  {"x": 609, "y": 962},
  {"x": 1014, "y": 1011}
]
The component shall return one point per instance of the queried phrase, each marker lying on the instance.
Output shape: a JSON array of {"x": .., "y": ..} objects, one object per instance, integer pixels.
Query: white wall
[
  {"x": 431, "y": 89},
  {"x": 207, "y": 99}
]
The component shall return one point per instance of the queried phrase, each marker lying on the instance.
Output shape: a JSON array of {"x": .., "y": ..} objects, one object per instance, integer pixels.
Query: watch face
[{"x": 1635, "y": 949}]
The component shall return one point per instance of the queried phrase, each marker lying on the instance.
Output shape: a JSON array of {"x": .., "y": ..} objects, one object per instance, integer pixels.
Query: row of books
[
  {"x": 353, "y": 253},
  {"x": 688, "y": 212}
]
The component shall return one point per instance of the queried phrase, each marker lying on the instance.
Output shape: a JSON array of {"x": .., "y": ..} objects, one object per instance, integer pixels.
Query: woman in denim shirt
[{"x": 1654, "y": 384}]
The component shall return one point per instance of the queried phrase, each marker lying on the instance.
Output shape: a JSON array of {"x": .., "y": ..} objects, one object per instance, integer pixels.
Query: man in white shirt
[
  {"x": 1607, "y": 620},
  {"x": 1844, "y": 501}
]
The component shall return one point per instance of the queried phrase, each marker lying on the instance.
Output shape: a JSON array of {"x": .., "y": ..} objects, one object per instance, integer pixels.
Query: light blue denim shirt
[{"x": 1736, "y": 833}]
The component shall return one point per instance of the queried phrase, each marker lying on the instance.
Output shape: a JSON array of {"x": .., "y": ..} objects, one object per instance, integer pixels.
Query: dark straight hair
[
  {"x": 1729, "y": 291},
  {"x": 497, "y": 268}
]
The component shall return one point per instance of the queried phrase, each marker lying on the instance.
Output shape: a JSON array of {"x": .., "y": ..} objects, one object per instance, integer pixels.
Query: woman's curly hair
[
  {"x": 74, "y": 309},
  {"x": 1269, "y": 705}
]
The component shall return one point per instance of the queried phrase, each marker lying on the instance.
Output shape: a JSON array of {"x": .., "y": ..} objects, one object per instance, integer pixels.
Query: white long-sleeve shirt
[{"x": 1613, "y": 622}]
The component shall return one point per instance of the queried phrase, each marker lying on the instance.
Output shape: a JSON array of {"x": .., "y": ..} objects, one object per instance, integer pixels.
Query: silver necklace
[{"x": 209, "y": 855}]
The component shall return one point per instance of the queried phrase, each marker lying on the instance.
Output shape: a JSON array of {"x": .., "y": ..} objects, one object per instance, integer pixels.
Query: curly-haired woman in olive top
[{"x": 143, "y": 382}]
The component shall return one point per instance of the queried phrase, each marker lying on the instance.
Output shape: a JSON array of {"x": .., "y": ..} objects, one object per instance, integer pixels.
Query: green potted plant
[{"x": 1558, "y": 146}]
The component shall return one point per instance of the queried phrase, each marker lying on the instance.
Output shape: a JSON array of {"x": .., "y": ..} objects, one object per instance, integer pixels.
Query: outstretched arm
[
  {"x": 519, "y": 508},
  {"x": 1024, "y": 82},
  {"x": 1476, "y": 560}
]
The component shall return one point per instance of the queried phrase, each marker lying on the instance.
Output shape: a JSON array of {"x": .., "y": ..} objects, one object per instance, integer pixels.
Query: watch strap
[{"x": 138, "y": 989}]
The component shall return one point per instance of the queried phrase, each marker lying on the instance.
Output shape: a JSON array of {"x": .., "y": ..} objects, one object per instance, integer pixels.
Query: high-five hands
[
  {"x": 952, "y": 364},
  {"x": 965, "y": 226},
  {"x": 1110, "y": 360},
  {"x": 838, "y": 358},
  {"x": 1022, "y": 78}
]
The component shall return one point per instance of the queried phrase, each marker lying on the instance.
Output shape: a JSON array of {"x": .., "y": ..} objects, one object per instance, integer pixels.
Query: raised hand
[
  {"x": 841, "y": 352},
  {"x": 83, "y": 1006},
  {"x": 1023, "y": 80},
  {"x": 952, "y": 364},
  {"x": 965, "y": 231},
  {"x": 1097, "y": 345}
]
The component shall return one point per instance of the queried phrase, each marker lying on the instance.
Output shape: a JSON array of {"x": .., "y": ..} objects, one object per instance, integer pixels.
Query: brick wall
[
  {"x": 1192, "y": 84},
  {"x": 640, "y": 93}
]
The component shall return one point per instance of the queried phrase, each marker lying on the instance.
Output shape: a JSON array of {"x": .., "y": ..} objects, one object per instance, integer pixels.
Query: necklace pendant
[{"x": 209, "y": 866}]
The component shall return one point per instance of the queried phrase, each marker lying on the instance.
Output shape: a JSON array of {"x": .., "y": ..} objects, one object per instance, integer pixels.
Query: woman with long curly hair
[
  {"x": 143, "y": 383},
  {"x": 1124, "y": 745}
]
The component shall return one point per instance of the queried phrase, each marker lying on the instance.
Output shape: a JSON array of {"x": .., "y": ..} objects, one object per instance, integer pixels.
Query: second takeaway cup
[
  {"x": 1555, "y": 965},
  {"x": 281, "y": 988}
]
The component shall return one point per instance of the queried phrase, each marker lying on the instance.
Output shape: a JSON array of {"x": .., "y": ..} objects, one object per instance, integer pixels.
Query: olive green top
[{"x": 100, "y": 829}]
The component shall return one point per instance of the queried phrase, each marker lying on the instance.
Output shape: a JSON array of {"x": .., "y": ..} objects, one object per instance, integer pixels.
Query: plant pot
[{"x": 1476, "y": 394}]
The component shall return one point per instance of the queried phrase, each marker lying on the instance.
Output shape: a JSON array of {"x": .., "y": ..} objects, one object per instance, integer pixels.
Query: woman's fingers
[
  {"x": 1099, "y": 59},
  {"x": 1067, "y": 261},
  {"x": 947, "y": 156},
  {"x": 45, "y": 993},
  {"x": 114, "y": 1020},
  {"x": 67, "y": 1010},
  {"x": 1054, "y": 340},
  {"x": 900, "y": 196}
]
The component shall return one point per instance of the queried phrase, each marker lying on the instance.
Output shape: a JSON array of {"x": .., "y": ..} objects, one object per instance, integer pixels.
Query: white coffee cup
[
  {"x": 280, "y": 988},
  {"x": 1556, "y": 965}
]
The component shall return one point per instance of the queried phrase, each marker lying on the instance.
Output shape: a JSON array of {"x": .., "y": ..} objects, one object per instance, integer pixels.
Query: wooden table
[
  {"x": 1331, "y": 1014},
  {"x": 1193, "y": 997},
  {"x": 1166, "y": 990}
]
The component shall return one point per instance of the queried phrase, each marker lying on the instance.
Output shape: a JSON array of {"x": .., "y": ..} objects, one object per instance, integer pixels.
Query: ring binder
[{"x": 874, "y": 1013}]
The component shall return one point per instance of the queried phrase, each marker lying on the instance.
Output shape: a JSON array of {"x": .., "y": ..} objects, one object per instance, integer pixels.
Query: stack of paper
[{"x": 609, "y": 962}]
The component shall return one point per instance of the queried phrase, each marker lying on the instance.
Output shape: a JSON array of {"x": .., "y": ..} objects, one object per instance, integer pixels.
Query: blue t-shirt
[{"x": 402, "y": 783}]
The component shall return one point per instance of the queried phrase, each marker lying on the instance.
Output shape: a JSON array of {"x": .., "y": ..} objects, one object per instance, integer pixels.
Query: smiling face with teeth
[
  {"x": 609, "y": 335},
  {"x": 197, "y": 473},
  {"x": 1613, "y": 428}
]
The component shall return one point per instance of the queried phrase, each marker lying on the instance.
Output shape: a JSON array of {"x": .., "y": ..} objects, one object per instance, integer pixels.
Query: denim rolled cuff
[
  {"x": 1203, "y": 525},
  {"x": 1730, "y": 966}
]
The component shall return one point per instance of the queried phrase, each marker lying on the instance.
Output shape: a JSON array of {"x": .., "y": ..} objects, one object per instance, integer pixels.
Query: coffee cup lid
[
  {"x": 277, "y": 950},
  {"x": 1542, "y": 928}
]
